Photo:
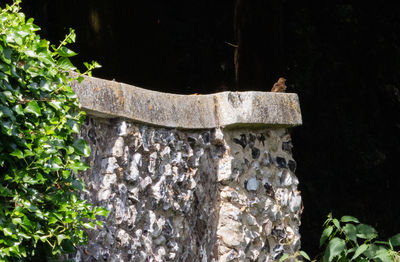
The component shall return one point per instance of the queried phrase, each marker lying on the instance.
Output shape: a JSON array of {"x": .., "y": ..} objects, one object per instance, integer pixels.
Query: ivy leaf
[
  {"x": 65, "y": 64},
  {"x": 70, "y": 150},
  {"x": 80, "y": 79},
  {"x": 68, "y": 247},
  {"x": 16, "y": 221},
  {"x": 78, "y": 166},
  {"x": 65, "y": 52},
  {"x": 6, "y": 69},
  {"x": 45, "y": 57},
  {"x": 7, "y": 112},
  {"x": 8, "y": 95},
  {"x": 24, "y": 235},
  {"x": 77, "y": 184},
  {"x": 7, "y": 231},
  {"x": 28, "y": 152},
  {"x": 9, "y": 128},
  {"x": 99, "y": 223},
  {"x": 45, "y": 86},
  {"x": 89, "y": 225},
  {"x": 60, "y": 238},
  {"x": 101, "y": 212},
  {"x": 4, "y": 76},
  {"x": 74, "y": 199},
  {"x": 6, "y": 55},
  {"x": 43, "y": 238},
  {"x": 80, "y": 146},
  {"x": 33, "y": 108},
  {"x": 73, "y": 124},
  {"x": 27, "y": 222},
  {"x": 55, "y": 104},
  {"x": 17, "y": 153},
  {"x": 70, "y": 38},
  {"x": 18, "y": 109},
  {"x": 66, "y": 174}
]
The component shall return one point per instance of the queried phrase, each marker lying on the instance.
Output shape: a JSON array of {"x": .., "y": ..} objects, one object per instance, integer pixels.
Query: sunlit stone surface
[{"x": 206, "y": 193}]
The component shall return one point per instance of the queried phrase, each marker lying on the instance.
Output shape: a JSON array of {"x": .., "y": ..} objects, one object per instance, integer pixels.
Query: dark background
[{"x": 342, "y": 59}]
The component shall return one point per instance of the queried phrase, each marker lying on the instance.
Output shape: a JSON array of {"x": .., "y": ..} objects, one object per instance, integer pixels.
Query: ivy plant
[{"x": 40, "y": 152}]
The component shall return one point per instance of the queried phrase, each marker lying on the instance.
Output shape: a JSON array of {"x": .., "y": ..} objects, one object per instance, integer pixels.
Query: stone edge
[{"x": 109, "y": 99}]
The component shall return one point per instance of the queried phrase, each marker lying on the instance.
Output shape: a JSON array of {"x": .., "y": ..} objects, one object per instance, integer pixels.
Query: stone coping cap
[{"x": 109, "y": 99}]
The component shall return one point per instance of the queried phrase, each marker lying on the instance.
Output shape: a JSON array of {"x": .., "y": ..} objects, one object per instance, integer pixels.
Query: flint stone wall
[{"x": 184, "y": 193}]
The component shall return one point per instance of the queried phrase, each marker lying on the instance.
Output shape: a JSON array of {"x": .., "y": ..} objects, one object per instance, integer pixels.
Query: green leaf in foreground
[
  {"x": 336, "y": 223},
  {"x": 305, "y": 255},
  {"x": 383, "y": 255},
  {"x": 284, "y": 257},
  {"x": 351, "y": 232},
  {"x": 395, "y": 240},
  {"x": 33, "y": 108},
  {"x": 65, "y": 64},
  {"x": 40, "y": 117},
  {"x": 346, "y": 219},
  {"x": 361, "y": 249},
  {"x": 325, "y": 235},
  {"x": 366, "y": 231},
  {"x": 61, "y": 237},
  {"x": 334, "y": 248},
  {"x": 65, "y": 52},
  {"x": 17, "y": 153},
  {"x": 81, "y": 146}
]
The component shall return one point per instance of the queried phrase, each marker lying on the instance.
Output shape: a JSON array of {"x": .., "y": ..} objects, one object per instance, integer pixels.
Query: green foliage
[
  {"x": 350, "y": 240},
  {"x": 298, "y": 256},
  {"x": 39, "y": 195}
]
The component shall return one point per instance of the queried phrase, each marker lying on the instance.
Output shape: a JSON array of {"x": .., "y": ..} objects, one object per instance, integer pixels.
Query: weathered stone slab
[
  {"x": 190, "y": 177},
  {"x": 109, "y": 99}
]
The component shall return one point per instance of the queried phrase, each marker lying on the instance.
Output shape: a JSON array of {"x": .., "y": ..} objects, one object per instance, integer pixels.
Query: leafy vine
[{"x": 40, "y": 206}]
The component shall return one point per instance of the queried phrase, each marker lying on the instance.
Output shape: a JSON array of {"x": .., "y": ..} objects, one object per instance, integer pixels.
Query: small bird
[{"x": 279, "y": 86}]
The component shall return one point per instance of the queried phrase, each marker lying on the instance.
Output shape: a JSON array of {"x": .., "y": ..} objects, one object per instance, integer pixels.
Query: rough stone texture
[
  {"x": 259, "y": 204},
  {"x": 190, "y": 178},
  {"x": 192, "y": 195},
  {"x": 112, "y": 99}
]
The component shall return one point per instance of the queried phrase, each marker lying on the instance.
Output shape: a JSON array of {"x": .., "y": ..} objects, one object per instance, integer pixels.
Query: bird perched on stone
[{"x": 279, "y": 86}]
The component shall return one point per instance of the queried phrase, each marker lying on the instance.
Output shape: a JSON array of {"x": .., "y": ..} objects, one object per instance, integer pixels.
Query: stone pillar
[{"x": 190, "y": 178}]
